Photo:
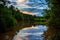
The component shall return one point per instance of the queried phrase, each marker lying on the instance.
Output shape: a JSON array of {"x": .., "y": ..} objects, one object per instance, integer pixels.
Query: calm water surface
[{"x": 31, "y": 33}]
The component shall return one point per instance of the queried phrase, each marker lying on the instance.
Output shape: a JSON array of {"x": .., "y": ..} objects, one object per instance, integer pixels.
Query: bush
[{"x": 7, "y": 22}]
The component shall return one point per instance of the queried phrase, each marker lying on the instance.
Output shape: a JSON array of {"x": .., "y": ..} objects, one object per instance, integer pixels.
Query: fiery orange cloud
[{"x": 29, "y": 13}]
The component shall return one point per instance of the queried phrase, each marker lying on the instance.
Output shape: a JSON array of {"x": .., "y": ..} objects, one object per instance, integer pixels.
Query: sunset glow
[
  {"x": 21, "y": 1},
  {"x": 30, "y": 13}
]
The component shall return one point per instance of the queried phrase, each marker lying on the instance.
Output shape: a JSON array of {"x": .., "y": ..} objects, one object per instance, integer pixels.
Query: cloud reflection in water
[{"x": 31, "y": 33}]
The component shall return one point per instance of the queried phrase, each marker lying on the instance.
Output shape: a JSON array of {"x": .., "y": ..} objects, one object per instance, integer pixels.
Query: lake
[{"x": 30, "y": 31}]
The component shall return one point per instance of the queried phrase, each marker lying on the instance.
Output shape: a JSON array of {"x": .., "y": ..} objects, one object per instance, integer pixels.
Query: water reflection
[{"x": 31, "y": 33}]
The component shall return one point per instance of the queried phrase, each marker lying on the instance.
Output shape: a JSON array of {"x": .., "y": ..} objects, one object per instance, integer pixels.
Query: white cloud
[
  {"x": 26, "y": 6},
  {"x": 39, "y": 2},
  {"x": 23, "y": 4},
  {"x": 40, "y": 7}
]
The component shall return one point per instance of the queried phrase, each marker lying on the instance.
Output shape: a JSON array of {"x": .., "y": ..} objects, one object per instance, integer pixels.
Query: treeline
[
  {"x": 40, "y": 19},
  {"x": 54, "y": 21},
  {"x": 54, "y": 13}
]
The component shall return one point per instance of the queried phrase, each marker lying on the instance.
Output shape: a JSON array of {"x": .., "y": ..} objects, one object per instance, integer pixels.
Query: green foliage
[
  {"x": 7, "y": 21},
  {"x": 54, "y": 20},
  {"x": 54, "y": 13}
]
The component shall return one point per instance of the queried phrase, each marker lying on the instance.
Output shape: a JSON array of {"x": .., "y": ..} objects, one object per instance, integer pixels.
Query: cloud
[
  {"x": 34, "y": 10},
  {"x": 30, "y": 13},
  {"x": 31, "y": 6},
  {"x": 26, "y": 4},
  {"x": 20, "y": 2}
]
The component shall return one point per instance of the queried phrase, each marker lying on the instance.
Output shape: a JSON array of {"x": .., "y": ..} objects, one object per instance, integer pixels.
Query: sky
[{"x": 32, "y": 7}]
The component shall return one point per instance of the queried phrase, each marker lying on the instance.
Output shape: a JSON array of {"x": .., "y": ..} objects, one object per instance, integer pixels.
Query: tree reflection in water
[{"x": 50, "y": 34}]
